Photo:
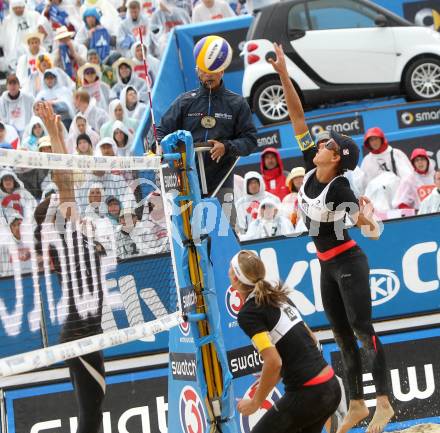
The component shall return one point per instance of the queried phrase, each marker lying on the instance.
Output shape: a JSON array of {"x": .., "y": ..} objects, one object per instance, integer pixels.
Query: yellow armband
[
  {"x": 262, "y": 341},
  {"x": 305, "y": 141}
]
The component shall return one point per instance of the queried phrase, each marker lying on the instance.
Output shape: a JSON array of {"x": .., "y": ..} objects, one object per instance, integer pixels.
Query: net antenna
[
  {"x": 124, "y": 287},
  {"x": 150, "y": 98}
]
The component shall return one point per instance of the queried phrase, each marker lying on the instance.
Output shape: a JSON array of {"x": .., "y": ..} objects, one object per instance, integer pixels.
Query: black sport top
[
  {"x": 83, "y": 275},
  {"x": 325, "y": 235},
  {"x": 283, "y": 328}
]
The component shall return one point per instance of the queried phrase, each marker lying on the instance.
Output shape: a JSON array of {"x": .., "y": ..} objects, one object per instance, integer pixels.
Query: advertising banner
[
  {"x": 413, "y": 362},
  {"x": 130, "y": 289},
  {"x": 134, "y": 402},
  {"x": 404, "y": 281}
]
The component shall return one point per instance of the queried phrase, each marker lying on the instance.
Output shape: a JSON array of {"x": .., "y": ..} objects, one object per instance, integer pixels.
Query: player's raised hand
[{"x": 279, "y": 63}]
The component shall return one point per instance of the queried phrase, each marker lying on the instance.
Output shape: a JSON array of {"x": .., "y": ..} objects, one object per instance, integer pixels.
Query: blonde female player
[
  {"x": 325, "y": 199},
  {"x": 270, "y": 319}
]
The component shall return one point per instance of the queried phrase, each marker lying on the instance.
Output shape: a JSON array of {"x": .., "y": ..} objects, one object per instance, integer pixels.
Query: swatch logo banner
[
  {"x": 192, "y": 414},
  {"x": 414, "y": 377},
  {"x": 183, "y": 366},
  {"x": 418, "y": 117},
  {"x": 244, "y": 361},
  {"x": 353, "y": 125}
]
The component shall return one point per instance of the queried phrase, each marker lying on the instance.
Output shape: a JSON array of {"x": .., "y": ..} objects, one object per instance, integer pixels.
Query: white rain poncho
[
  {"x": 248, "y": 205},
  {"x": 262, "y": 227}
]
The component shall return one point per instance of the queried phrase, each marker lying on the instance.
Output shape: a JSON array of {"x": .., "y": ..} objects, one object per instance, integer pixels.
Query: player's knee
[
  {"x": 367, "y": 338},
  {"x": 345, "y": 340}
]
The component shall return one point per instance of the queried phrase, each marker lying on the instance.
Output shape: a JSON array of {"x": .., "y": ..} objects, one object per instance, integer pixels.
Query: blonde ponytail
[
  {"x": 269, "y": 295},
  {"x": 253, "y": 270}
]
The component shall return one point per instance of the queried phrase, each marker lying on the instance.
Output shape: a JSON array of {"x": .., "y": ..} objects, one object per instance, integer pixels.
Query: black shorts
[{"x": 306, "y": 409}]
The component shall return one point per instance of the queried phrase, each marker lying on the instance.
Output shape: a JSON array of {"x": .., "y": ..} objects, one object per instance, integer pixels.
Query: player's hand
[
  {"x": 366, "y": 207},
  {"x": 45, "y": 112},
  {"x": 247, "y": 407},
  {"x": 217, "y": 150},
  {"x": 280, "y": 63}
]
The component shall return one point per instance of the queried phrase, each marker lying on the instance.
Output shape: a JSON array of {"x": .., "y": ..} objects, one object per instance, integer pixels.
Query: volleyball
[{"x": 212, "y": 54}]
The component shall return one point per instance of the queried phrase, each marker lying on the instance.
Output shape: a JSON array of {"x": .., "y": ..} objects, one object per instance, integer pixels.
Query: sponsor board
[
  {"x": 131, "y": 289},
  {"x": 244, "y": 361},
  {"x": 171, "y": 179},
  {"x": 189, "y": 299},
  {"x": 428, "y": 142},
  {"x": 413, "y": 364},
  {"x": 192, "y": 412},
  {"x": 135, "y": 402},
  {"x": 352, "y": 125},
  {"x": 415, "y": 117},
  {"x": 402, "y": 283},
  {"x": 269, "y": 139},
  {"x": 183, "y": 366},
  {"x": 423, "y": 13}
]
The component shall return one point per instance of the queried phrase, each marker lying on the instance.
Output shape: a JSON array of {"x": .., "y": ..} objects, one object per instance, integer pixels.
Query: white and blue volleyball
[{"x": 212, "y": 54}]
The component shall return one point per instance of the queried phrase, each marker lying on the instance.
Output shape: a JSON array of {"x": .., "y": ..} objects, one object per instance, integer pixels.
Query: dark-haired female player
[
  {"x": 78, "y": 265},
  {"x": 288, "y": 349},
  {"x": 325, "y": 199}
]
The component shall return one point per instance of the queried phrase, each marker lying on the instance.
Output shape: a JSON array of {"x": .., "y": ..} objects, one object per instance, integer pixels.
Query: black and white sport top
[
  {"x": 324, "y": 206},
  {"x": 283, "y": 328}
]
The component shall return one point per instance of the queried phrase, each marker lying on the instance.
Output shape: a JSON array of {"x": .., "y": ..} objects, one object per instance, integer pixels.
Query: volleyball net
[{"x": 85, "y": 273}]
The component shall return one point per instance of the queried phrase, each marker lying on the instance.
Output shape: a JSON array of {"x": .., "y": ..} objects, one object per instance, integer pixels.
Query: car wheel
[
  {"x": 422, "y": 79},
  {"x": 269, "y": 103}
]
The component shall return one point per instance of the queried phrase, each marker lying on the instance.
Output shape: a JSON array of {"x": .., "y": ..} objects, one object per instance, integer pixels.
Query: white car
[{"x": 338, "y": 50}]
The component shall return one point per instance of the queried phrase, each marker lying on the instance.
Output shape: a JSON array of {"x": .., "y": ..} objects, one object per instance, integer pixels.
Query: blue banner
[
  {"x": 413, "y": 363},
  {"x": 130, "y": 287},
  {"x": 135, "y": 402},
  {"x": 404, "y": 281}
]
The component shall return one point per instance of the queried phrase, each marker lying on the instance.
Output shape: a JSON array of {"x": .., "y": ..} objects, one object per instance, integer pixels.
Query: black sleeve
[
  {"x": 308, "y": 149},
  {"x": 340, "y": 193},
  {"x": 251, "y": 320},
  {"x": 245, "y": 132},
  {"x": 171, "y": 121}
]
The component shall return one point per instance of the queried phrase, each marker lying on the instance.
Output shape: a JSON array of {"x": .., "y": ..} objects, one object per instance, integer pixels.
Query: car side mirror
[
  {"x": 295, "y": 34},
  {"x": 381, "y": 21}
]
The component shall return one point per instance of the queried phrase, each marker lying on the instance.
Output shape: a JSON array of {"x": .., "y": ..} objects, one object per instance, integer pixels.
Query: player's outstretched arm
[
  {"x": 294, "y": 105},
  {"x": 270, "y": 376},
  {"x": 62, "y": 178}
]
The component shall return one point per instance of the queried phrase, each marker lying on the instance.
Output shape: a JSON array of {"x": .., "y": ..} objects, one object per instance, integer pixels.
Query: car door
[{"x": 343, "y": 45}]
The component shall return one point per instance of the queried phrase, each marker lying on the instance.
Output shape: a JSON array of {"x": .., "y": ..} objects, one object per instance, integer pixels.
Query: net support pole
[{"x": 203, "y": 340}]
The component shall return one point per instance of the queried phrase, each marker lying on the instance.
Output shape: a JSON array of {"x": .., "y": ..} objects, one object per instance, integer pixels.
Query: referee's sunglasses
[{"x": 332, "y": 145}]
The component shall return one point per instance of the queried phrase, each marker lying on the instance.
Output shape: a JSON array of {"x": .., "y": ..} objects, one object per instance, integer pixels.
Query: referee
[
  {"x": 218, "y": 116},
  {"x": 78, "y": 266}
]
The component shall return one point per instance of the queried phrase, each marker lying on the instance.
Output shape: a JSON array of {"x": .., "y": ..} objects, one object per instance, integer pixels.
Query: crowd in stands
[
  {"x": 399, "y": 186},
  {"x": 86, "y": 58}
]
